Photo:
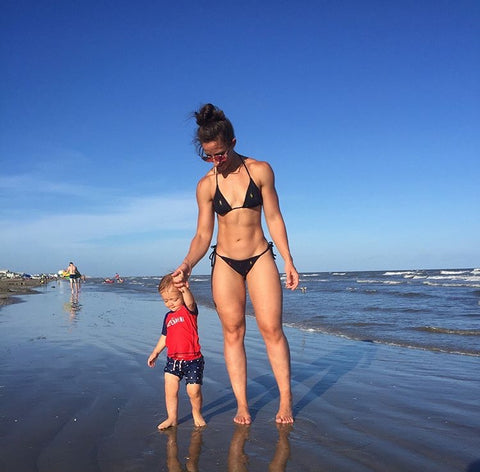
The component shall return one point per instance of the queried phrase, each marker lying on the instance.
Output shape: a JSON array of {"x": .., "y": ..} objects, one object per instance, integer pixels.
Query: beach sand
[
  {"x": 16, "y": 286},
  {"x": 76, "y": 394}
]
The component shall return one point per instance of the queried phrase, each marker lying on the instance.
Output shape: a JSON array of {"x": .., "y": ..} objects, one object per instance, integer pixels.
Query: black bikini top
[{"x": 253, "y": 197}]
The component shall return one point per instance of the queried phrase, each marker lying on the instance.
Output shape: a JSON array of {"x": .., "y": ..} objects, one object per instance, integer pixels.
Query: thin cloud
[
  {"x": 129, "y": 216},
  {"x": 35, "y": 185}
]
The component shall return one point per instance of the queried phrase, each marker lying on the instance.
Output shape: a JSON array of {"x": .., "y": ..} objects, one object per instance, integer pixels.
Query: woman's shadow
[
  {"x": 263, "y": 388},
  {"x": 335, "y": 365}
]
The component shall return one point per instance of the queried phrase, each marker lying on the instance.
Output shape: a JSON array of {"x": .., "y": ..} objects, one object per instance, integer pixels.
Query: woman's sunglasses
[{"x": 219, "y": 157}]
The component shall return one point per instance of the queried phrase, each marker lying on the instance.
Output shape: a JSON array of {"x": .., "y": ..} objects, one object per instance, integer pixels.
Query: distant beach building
[{"x": 7, "y": 274}]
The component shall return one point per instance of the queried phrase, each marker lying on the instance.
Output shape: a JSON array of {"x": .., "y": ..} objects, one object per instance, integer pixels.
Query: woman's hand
[{"x": 291, "y": 273}]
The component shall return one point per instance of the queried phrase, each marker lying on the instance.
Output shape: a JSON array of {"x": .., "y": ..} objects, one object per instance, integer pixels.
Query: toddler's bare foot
[
  {"x": 167, "y": 424},
  {"x": 242, "y": 417},
  {"x": 198, "y": 421}
]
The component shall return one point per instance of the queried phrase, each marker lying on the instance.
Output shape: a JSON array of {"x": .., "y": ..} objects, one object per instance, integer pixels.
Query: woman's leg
[
  {"x": 265, "y": 291},
  {"x": 228, "y": 288}
]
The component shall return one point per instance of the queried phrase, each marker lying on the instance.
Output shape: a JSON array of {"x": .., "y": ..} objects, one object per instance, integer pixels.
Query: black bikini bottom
[{"x": 244, "y": 266}]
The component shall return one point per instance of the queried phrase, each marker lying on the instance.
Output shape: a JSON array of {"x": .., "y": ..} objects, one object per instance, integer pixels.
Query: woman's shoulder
[
  {"x": 257, "y": 167},
  {"x": 206, "y": 182},
  {"x": 250, "y": 161}
]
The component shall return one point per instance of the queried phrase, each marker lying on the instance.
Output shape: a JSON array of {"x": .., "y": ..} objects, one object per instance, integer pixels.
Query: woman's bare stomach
[{"x": 240, "y": 242}]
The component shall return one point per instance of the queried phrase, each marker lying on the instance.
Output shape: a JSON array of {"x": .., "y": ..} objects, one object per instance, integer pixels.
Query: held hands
[
  {"x": 180, "y": 276},
  {"x": 184, "y": 287}
]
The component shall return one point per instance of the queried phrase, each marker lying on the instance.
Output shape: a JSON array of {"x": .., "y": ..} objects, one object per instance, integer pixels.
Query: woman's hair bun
[
  {"x": 212, "y": 125},
  {"x": 208, "y": 114}
]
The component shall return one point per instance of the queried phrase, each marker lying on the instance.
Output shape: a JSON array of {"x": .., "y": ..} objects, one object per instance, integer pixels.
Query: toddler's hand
[
  {"x": 179, "y": 279},
  {"x": 151, "y": 360}
]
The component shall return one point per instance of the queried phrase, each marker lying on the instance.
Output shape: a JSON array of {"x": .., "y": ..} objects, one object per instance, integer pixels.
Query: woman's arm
[
  {"x": 203, "y": 235},
  {"x": 275, "y": 222}
]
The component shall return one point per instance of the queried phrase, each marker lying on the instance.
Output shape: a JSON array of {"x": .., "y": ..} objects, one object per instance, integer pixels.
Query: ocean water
[{"x": 435, "y": 310}]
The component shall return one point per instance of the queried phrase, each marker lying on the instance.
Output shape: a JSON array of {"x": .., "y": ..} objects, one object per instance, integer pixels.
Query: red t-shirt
[{"x": 181, "y": 329}]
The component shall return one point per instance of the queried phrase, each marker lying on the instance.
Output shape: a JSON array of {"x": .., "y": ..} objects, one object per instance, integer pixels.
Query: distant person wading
[{"x": 74, "y": 276}]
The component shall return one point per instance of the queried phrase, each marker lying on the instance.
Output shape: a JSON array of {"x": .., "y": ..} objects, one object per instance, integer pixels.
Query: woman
[{"x": 236, "y": 188}]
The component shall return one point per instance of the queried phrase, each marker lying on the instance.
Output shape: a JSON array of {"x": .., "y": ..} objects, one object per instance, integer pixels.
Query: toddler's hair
[{"x": 165, "y": 283}]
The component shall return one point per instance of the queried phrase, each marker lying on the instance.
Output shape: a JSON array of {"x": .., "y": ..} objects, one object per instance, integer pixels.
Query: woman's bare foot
[
  {"x": 284, "y": 417},
  {"x": 242, "y": 417},
  {"x": 284, "y": 414},
  {"x": 167, "y": 424}
]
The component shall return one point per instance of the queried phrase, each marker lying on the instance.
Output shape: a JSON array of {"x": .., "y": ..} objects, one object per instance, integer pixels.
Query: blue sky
[{"x": 367, "y": 111}]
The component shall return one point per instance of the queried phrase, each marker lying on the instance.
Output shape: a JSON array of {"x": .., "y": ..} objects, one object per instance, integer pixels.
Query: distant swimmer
[{"x": 118, "y": 279}]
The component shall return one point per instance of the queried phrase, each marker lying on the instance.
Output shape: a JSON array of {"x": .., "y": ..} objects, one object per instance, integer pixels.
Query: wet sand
[
  {"x": 10, "y": 289},
  {"x": 76, "y": 394}
]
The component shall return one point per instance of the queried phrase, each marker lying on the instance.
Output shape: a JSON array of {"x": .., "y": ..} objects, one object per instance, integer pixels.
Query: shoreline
[
  {"x": 395, "y": 310},
  {"x": 380, "y": 342},
  {"x": 11, "y": 289},
  {"x": 77, "y": 395}
]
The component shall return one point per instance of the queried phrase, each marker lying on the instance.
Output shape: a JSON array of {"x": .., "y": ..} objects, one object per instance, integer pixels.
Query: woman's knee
[
  {"x": 233, "y": 321},
  {"x": 271, "y": 333},
  {"x": 234, "y": 333}
]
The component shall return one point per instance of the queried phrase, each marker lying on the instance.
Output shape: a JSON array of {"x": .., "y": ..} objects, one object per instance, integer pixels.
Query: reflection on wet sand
[
  {"x": 282, "y": 451},
  {"x": 73, "y": 306},
  {"x": 173, "y": 462},
  {"x": 238, "y": 459}
]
